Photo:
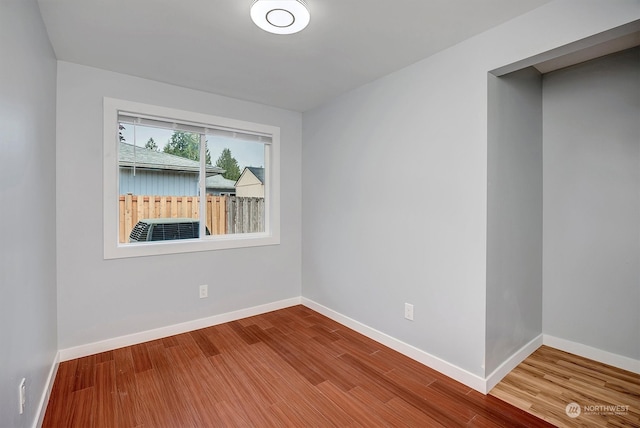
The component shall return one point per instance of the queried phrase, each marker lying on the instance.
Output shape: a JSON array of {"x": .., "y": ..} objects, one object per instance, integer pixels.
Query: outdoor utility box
[{"x": 165, "y": 229}]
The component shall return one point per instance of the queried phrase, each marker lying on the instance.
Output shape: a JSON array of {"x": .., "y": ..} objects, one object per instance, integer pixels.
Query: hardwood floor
[
  {"x": 549, "y": 379},
  {"x": 292, "y": 367}
]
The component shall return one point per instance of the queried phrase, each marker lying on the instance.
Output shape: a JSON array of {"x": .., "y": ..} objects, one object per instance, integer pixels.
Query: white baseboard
[
  {"x": 438, "y": 364},
  {"x": 170, "y": 330},
  {"x": 44, "y": 399},
  {"x": 510, "y": 363},
  {"x": 595, "y": 354}
]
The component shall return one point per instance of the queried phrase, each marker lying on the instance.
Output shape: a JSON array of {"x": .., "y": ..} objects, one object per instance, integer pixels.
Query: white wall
[
  {"x": 592, "y": 204},
  {"x": 103, "y": 299},
  {"x": 28, "y": 342},
  {"x": 368, "y": 250},
  {"x": 514, "y": 228}
]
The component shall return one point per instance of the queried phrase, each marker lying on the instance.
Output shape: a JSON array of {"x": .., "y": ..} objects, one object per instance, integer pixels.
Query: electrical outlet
[
  {"x": 22, "y": 394},
  {"x": 408, "y": 311},
  {"x": 204, "y": 291}
]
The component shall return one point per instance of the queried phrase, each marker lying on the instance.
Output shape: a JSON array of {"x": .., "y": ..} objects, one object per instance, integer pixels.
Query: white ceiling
[{"x": 213, "y": 46}]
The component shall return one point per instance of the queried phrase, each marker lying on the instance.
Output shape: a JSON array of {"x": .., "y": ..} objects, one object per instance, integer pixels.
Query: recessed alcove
[{"x": 563, "y": 208}]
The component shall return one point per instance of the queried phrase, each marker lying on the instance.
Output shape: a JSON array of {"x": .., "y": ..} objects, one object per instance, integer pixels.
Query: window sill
[{"x": 156, "y": 248}]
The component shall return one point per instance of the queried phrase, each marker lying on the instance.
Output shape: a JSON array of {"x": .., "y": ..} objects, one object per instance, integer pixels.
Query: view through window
[{"x": 181, "y": 181}]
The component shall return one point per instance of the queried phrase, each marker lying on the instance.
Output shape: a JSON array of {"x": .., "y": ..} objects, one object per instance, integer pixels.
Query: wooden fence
[
  {"x": 225, "y": 214},
  {"x": 245, "y": 215}
]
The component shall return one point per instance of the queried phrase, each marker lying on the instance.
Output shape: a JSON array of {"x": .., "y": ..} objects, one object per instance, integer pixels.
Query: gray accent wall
[
  {"x": 373, "y": 246},
  {"x": 514, "y": 217},
  {"x": 28, "y": 337},
  {"x": 592, "y": 203},
  {"x": 103, "y": 299}
]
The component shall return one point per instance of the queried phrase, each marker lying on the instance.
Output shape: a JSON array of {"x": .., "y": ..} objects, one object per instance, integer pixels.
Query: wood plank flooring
[
  {"x": 292, "y": 367},
  {"x": 549, "y": 379}
]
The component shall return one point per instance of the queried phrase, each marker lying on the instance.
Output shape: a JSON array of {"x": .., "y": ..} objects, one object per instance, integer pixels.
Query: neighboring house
[
  {"x": 251, "y": 183},
  {"x": 149, "y": 172},
  {"x": 218, "y": 185}
]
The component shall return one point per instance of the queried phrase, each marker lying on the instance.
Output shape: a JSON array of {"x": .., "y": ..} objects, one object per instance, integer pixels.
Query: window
[{"x": 178, "y": 181}]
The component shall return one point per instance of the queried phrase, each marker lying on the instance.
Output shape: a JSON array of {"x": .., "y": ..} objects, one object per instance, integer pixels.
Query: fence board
[
  {"x": 174, "y": 206},
  {"x": 121, "y": 227},
  {"x": 195, "y": 207},
  {"x": 139, "y": 208},
  {"x": 163, "y": 206},
  {"x": 221, "y": 205},
  {"x": 128, "y": 212}
]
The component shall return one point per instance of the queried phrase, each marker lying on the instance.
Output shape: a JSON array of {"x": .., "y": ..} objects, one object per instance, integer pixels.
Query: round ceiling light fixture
[{"x": 280, "y": 16}]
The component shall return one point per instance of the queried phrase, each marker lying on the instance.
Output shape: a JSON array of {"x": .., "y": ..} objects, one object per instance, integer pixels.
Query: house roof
[
  {"x": 258, "y": 172},
  {"x": 219, "y": 182},
  {"x": 144, "y": 158}
]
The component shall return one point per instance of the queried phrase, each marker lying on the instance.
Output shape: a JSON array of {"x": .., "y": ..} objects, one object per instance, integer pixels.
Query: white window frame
[{"x": 113, "y": 249}]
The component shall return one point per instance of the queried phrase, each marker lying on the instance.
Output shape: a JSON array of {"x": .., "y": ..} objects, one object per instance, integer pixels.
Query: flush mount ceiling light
[{"x": 280, "y": 16}]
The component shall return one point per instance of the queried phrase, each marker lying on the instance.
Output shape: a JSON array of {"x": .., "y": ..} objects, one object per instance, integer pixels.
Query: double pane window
[{"x": 188, "y": 180}]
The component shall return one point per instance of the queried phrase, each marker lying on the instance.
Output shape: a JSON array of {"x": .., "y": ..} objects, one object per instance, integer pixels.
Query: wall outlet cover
[{"x": 408, "y": 311}]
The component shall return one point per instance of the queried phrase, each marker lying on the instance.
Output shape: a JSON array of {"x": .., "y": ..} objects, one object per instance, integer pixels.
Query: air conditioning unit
[{"x": 165, "y": 229}]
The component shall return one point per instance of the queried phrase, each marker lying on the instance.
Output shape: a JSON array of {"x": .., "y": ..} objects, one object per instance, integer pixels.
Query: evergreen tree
[
  {"x": 151, "y": 145},
  {"x": 229, "y": 164},
  {"x": 120, "y": 129},
  {"x": 186, "y": 145}
]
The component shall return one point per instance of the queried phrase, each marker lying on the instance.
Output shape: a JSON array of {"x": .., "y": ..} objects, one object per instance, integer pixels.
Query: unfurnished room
[{"x": 317, "y": 213}]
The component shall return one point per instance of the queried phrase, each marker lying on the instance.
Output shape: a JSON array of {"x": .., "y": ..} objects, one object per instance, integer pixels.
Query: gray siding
[{"x": 161, "y": 183}]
